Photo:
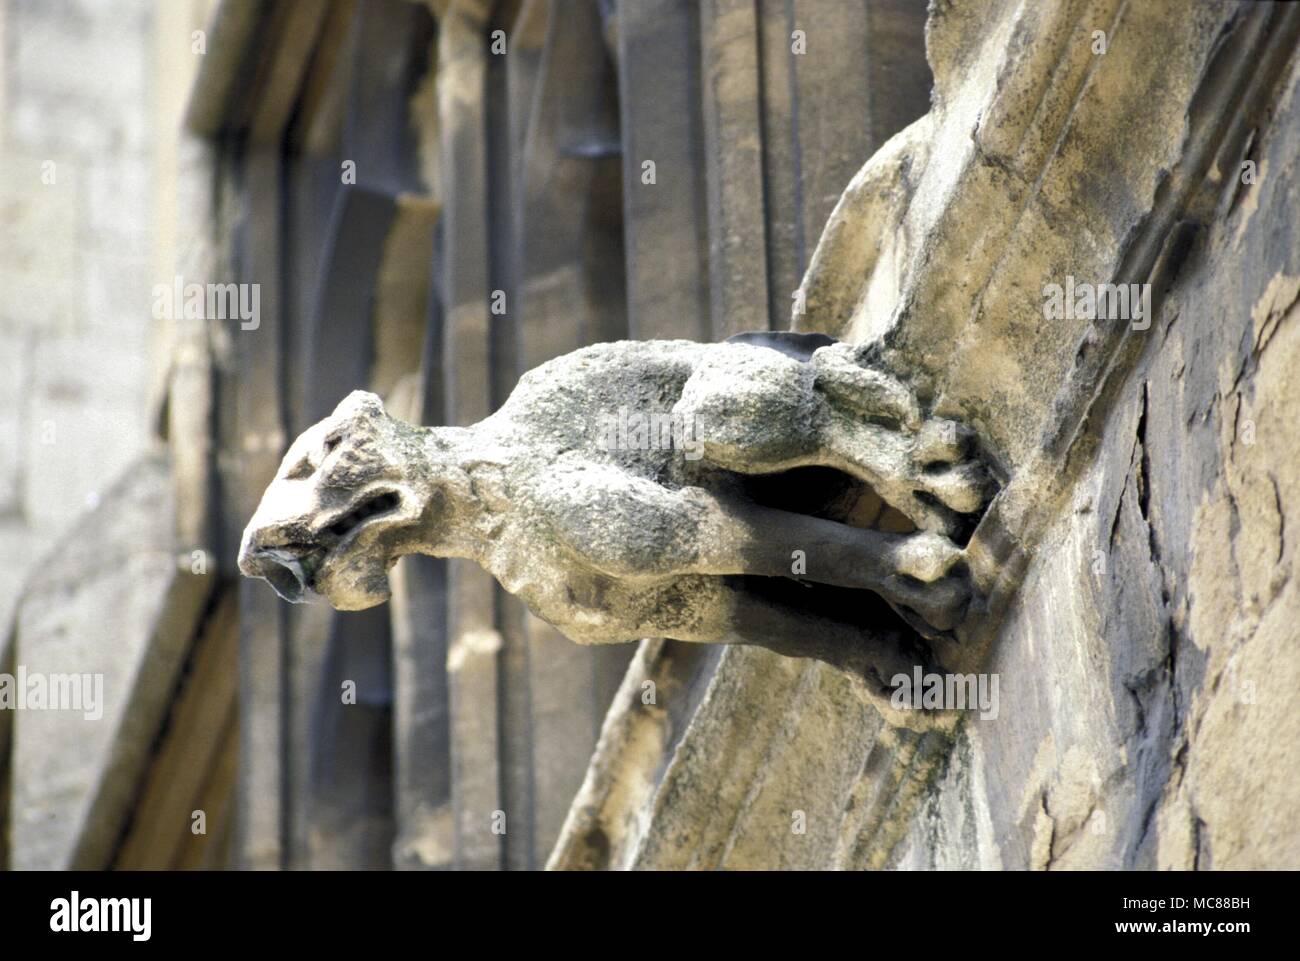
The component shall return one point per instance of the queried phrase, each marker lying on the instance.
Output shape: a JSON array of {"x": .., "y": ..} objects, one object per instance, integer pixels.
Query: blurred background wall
[{"x": 90, "y": 113}]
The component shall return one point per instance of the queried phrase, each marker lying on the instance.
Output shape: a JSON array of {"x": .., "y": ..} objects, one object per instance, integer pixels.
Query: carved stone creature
[{"x": 703, "y": 533}]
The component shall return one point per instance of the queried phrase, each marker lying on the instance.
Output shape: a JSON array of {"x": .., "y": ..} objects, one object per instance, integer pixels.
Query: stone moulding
[{"x": 701, "y": 492}]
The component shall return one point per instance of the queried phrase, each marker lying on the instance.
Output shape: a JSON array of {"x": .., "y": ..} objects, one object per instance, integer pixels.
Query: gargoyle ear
[{"x": 360, "y": 402}]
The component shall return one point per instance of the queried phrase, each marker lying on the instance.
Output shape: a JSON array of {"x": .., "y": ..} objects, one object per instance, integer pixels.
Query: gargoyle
[{"x": 656, "y": 489}]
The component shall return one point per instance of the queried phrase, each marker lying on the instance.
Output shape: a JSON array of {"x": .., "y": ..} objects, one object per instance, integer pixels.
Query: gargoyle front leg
[
  {"x": 626, "y": 527},
  {"x": 913, "y": 572}
]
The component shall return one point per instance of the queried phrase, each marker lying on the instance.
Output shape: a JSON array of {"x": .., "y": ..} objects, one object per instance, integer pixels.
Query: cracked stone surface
[{"x": 614, "y": 493}]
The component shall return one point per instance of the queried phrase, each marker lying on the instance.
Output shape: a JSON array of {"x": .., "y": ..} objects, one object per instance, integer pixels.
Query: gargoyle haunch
[{"x": 611, "y": 536}]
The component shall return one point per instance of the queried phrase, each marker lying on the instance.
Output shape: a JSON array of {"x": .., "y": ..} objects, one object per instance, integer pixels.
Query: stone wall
[
  {"x": 77, "y": 340},
  {"x": 1149, "y": 662}
]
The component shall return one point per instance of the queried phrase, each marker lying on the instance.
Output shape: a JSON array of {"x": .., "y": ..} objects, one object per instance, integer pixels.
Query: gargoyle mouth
[{"x": 296, "y": 567}]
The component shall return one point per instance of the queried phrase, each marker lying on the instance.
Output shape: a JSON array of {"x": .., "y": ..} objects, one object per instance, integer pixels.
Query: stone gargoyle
[{"x": 657, "y": 489}]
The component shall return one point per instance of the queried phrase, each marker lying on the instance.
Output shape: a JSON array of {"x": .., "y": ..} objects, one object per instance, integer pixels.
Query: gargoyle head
[{"x": 340, "y": 510}]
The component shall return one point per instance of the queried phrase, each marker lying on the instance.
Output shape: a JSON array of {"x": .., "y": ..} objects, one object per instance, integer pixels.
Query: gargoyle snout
[{"x": 288, "y": 567}]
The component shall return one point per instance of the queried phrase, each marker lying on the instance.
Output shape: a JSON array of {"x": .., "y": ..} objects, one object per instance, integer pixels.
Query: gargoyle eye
[
  {"x": 303, "y": 468},
  {"x": 331, "y": 443}
]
